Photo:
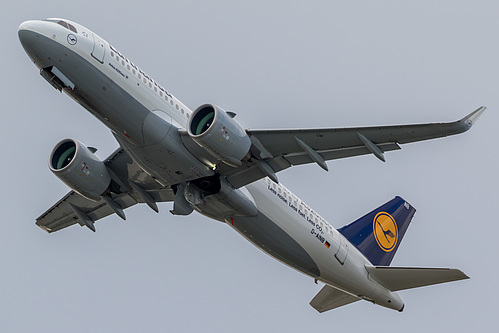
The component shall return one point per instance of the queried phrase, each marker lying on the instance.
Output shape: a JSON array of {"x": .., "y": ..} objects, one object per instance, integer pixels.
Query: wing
[
  {"x": 276, "y": 150},
  {"x": 139, "y": 188}
]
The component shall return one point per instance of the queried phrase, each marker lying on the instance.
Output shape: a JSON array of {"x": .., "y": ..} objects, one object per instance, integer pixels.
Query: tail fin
[{"x": 378, "y": 234}]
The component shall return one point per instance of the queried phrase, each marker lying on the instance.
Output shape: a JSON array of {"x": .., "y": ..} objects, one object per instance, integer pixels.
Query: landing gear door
[{"x": 99, "y": 49}]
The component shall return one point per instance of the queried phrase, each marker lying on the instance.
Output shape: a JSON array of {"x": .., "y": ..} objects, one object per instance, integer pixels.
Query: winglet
[{"x": 471, "y": 119}]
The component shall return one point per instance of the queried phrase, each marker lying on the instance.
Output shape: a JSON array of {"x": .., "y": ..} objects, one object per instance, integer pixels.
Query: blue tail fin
[{"x": 378, "y": 234}]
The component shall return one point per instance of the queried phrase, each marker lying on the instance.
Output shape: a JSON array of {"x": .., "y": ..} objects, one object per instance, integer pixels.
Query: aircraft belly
[
  {"x": 281, "y": 218},
  {"x": 270, "y": 238}
]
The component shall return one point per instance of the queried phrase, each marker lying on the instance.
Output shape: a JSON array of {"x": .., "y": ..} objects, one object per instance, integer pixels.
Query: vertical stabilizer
[{"x": 378, "y": 234}]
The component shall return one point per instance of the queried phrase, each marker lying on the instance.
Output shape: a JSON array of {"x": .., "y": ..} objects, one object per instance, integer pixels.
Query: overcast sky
[{"x": 276, "y": 64}]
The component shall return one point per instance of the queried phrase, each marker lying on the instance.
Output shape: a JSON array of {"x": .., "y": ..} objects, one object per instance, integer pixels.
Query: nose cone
[{"x": 28, "y": 34}]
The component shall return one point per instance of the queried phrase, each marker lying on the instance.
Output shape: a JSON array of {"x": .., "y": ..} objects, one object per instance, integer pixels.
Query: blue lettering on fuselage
[
  {"x": 316, "y": 230},
  {"x": 116, "y": 69}
]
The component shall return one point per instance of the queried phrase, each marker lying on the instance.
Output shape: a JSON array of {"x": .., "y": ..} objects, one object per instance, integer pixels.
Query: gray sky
[{"x": 284, "y": 64}]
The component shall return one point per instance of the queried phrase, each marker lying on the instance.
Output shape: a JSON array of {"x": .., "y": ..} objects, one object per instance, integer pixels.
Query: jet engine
[
  {"x": 79, "y": 168},
  {"x": 219, "y": 134}
]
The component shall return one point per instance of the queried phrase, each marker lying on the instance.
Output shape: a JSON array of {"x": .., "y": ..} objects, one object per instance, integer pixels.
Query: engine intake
[
  {"x": 219, "y": 134},
  {"x": 80, "y": 169}
]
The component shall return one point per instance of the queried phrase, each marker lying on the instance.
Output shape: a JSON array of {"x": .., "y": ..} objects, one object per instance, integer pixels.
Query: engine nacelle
[
  {"x": 78, "y": 167},
  {"x": 219, "y": 134}
]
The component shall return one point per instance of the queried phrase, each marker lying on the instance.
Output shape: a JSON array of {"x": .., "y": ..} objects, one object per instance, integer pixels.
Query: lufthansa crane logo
[
  {"x": 72, "y": 39},
  {"x": 385, "y": 231}
]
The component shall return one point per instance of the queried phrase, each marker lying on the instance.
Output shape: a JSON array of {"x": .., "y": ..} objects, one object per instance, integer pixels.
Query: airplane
[{"x": 204, "y": 160}]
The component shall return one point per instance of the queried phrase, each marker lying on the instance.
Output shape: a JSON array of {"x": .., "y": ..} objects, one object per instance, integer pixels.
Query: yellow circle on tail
[{"x": 385, "y": 231}]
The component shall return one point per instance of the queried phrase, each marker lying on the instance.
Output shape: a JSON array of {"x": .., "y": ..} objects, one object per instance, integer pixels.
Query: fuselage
[{"x": 147, "y": 120}]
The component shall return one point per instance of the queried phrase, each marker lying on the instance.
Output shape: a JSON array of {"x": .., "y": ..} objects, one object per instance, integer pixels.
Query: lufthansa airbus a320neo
[{"x": 204, "y": 160}]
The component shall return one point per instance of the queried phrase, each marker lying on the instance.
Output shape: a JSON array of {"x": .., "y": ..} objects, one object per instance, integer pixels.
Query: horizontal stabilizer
[
  {"x": 400, "y": 278},
  {"x": 330, "y": 298}
]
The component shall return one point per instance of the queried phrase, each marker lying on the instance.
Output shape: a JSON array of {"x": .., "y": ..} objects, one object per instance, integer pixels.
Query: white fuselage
[{"x": 130, "y": 103}]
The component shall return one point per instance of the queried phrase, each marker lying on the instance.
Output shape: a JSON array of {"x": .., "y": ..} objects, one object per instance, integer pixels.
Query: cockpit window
[
  {"x": 64, "y": 24},
  {"x": 67, "y": 26}
]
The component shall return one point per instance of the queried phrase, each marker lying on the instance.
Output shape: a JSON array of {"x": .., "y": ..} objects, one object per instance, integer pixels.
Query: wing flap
[
  {"x": 61, "y": 215},
  {"x": 125, "y": 171},
  {"x": 281, "y": 149},
  {"x": 250, "y": 172},
  {"x": 331, "y": 298},
  {"x": 282, "y": 141},
  {"x": 401, "y": 278},
  {"x": 332, "y": 154}
]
